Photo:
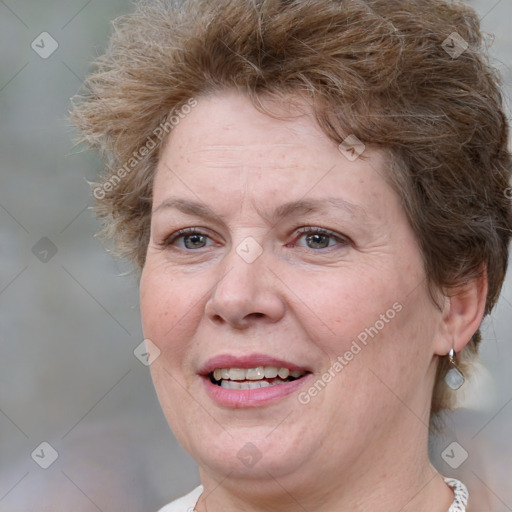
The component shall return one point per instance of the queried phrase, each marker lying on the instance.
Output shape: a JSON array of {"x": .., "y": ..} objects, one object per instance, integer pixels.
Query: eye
[
  {"x": 191, "y": 237},
  {"x": 316, "y": 238},
  {"x": 319, "y": 238}
]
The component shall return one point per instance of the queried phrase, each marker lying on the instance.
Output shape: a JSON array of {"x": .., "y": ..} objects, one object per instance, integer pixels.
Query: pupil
[
  {"x": 196, "y": 240},
  {"x": 316, "y": 241}
]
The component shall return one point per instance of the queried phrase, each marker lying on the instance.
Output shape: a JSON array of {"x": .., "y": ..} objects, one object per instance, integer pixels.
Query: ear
[{"x": 463, "y": 312}]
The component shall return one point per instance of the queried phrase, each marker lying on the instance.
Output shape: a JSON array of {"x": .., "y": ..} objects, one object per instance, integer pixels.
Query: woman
[{"x": 316, "y": 195}]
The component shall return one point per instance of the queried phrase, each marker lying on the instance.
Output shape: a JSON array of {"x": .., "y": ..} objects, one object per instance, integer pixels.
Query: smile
[{"x": 253, "y": 378}]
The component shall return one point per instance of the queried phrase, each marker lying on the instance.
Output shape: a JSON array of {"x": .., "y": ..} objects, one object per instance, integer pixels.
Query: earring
[{"x": 454, "y": 378}]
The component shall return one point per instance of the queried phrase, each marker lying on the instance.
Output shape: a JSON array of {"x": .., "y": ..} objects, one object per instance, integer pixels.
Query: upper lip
[{"x": 248, "y": 361}]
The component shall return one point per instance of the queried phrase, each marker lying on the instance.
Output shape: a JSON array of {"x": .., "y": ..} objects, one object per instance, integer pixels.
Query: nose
[{"x": 246, "y": 293}]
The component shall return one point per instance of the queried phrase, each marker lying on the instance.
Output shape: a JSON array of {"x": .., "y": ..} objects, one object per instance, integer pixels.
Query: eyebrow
[{"x": 293, "y": 208}]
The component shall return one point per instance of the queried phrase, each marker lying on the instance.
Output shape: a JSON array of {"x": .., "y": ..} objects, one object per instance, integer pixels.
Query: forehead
[
  {"x": 226, "y": 130},
  {"x": 226, "y": 146}
]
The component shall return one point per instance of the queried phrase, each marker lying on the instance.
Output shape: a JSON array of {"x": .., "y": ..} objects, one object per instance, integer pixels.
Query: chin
[{"x": 247, "y": 454}]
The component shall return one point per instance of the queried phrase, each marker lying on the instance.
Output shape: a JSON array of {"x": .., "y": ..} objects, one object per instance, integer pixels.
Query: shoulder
[{"x": 185, "y": 503}]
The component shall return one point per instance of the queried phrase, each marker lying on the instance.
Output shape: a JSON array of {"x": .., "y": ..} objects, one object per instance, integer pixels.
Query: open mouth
[{"x": 253, "y": 378}]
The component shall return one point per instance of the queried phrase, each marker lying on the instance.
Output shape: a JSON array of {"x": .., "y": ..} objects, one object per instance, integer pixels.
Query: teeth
[
  {"x": 283, "y": 373},
  {"x": 230, "y": 384},
  {"x": 254, "y": 374},
  {"x": 237, "y": 374},
  {"x": 271, "y": 372}
]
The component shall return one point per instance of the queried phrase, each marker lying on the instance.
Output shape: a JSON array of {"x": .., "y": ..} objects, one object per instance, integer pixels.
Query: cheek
[
  {"x": 161, "y": 310},
  {"x": 347, "y": 305},
  {"x": 179, "y": 409},
  {"x": 166, "y": 323},
  {"x": 171, "y": 309},
  {"x": 379, "y": 318},
  {"x": 163, "y": 302},
  {"x": 396, "y": 355}
]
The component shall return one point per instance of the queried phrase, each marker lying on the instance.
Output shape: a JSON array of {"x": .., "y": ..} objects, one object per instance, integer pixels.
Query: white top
[
  {"x": 185, "y": 503},
  {"x": 188, "y": 503}
]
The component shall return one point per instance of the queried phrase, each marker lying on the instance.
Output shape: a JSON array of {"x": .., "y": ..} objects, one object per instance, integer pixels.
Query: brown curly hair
[{"x": 383, "y": 70}]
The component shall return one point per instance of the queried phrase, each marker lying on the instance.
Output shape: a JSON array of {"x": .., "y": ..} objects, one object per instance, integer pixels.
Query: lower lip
[{"x": 240, "y": 398}]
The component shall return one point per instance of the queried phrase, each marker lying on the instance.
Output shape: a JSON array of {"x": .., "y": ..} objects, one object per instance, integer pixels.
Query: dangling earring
[{"x": 454, "y": 378}]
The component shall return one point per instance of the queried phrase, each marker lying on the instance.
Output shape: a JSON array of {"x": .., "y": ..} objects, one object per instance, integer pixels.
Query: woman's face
[{"x": 251, "y": 289}]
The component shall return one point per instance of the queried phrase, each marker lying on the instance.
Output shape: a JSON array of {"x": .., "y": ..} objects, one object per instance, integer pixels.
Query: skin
[{"x": 359, "y": 444}]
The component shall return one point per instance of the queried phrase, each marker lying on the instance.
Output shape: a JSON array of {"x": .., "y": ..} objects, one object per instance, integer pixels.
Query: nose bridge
[
  {"x": 244, "y": 269},
  {"x": 245, "y": 290}
]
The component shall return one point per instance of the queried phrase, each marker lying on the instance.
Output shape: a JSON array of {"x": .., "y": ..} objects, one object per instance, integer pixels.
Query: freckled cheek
[
  {"x": 168, "y": 318},
  {"x": 350, "y": 304},
  {"x": 161, "y": 324},
  {"x": 159, "y": 306}
]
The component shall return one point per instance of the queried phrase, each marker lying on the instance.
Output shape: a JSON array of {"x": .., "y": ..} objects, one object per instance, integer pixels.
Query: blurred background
[{"x": 80, "y": 425}]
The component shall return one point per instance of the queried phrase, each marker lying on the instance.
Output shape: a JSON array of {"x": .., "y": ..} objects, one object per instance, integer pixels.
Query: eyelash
[{"x": 343, "y": 240}]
